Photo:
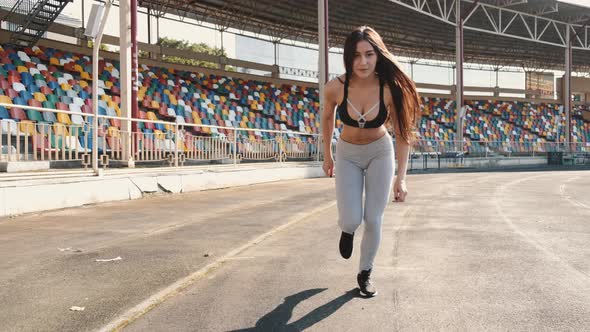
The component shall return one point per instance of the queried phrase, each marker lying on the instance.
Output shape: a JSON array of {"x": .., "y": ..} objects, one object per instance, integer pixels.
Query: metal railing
[{"x": 175, "y": 144}]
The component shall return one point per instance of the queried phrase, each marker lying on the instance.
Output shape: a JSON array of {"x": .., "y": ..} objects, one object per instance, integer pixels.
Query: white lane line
[
  {"x": 568, "y": 198},
  {"x": 141, "y": 309},
  {"x": 498, "y": 194}
]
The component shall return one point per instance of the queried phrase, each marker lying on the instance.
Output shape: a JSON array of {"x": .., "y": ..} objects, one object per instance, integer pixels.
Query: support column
[
  {"x": 497, "y": 86},
  {"x": 459, "y": 75},
  {"x": 134, "y": 65},
  {"x": 323, "y": 61},
  {"x": 125, "y": 53},
  {"x": 567, "y": 91}
]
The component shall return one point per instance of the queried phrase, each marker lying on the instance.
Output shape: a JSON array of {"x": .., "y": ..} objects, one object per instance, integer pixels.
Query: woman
[{"x": 373, "y": 94}]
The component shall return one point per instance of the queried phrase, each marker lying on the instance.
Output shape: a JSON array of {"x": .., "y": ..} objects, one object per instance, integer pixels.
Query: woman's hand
[
  {"x": 328, "y": 166},
  {"x": 400, "y": 191}
]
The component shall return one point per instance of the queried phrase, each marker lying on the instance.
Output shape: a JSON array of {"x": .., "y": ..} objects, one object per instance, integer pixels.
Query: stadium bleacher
[{"x": 50, "y": 78}]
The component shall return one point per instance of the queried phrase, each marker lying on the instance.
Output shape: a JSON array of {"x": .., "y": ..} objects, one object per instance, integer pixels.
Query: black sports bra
[{"x": 377, "y": 122}]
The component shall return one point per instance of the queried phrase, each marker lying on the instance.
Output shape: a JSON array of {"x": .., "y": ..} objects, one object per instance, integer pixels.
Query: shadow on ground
[{"x": 278, "y": 318}]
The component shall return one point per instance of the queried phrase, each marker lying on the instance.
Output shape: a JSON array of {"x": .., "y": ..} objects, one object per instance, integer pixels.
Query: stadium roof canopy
[{"x": 531, "y": 34}]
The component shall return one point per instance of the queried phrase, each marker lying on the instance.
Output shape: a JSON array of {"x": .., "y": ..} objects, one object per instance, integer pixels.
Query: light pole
[{"x": 95, "y": 30}]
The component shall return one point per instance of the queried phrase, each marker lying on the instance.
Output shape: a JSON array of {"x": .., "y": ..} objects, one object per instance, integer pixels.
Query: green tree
[
  {"x": 102, "y": 47},
  {"x": 194, "y": 47}
]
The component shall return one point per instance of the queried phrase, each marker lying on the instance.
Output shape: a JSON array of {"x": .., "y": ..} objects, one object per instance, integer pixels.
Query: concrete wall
[{"x": 34, "y": 196}]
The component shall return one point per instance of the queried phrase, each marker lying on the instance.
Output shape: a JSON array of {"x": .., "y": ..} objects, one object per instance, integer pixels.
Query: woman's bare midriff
[{"x": 355, "y": 135}]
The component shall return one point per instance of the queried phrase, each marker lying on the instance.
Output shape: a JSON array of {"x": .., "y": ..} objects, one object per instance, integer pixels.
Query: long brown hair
[{"x": 403, "y": 89}]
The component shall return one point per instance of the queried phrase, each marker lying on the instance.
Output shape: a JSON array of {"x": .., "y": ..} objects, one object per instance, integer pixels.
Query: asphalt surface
[{"x": 474, "y": 251}]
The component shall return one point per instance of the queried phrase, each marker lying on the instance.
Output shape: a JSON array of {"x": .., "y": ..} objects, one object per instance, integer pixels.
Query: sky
[
  {"x": 263, "y": 52},
  {"x": 585, "y": 3}
]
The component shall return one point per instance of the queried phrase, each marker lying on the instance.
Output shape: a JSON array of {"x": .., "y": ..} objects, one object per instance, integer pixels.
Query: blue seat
[
  {"x": 26, "y": 78},
  {"x": 26, "y": 95},
  {"x": 32, "y": 88},
  {"x": 52, "y": 85},
  {"x": 4, "y": 113},
  {"x": 19, "y": 101}
]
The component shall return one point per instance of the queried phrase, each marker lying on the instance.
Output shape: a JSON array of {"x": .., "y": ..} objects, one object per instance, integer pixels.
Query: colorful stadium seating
[{"x": 46, "y": 77}]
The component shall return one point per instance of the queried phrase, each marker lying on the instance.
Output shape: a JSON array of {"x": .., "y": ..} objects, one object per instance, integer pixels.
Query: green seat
[
  {"x": 57, "y": 142},
  {"x": 49, "y": 104},
  {"x": 52, "y": 98},
  {"x": 34, "y": 116}
]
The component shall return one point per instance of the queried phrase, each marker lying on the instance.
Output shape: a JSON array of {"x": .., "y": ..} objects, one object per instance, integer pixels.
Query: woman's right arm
[{"x": 327, "y": 118}]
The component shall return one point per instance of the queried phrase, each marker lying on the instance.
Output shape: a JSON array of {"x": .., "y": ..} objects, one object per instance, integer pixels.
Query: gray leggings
[{"x": 369, "y": 167}]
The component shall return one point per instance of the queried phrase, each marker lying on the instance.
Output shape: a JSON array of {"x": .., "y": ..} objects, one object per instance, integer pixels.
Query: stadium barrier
[{"x": 176, "y": 146}]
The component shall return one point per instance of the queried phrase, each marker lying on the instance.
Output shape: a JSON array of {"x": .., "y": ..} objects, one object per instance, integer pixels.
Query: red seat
[
  {"x": 69, "y": 66},
  {"x": 116, "y": 123},
  {"x": 11, "y": 93},
  {"x": 86, "y": 109},
  {"x": 115, "y": 91},
  {"x": 46, "y": 90},
  {"x": 18, "y": 113},
  {"x": 42, "y": 143},
  {"x": 163, "y": 111},
  {"x": 34, "y": 103},
  {"x": 114, "y": 143},
  {"x": 61, "y": 106}
]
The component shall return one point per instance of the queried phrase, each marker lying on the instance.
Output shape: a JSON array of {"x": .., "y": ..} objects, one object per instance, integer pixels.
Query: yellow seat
[
  {"x": 22, "y": 69},
  {"x": 181, "y": 146},
  {"x": 83, "y": 84},
  {"x": 197, "y": 117},
  {"x": 173, "y": 100},
  {"x": 108, "y": 84},
  {"x": 5, "y": 99},
  {"x": 151, "y": 116},
  {"x": 106, "y": 98},
  {"x": 27, "y": 127},
  {"x": 159, "y": 134},
  {"x": 155, "y": 104},
  {"x": 39, "y": 96},
  {"x": 65, "y": 86},
  {"x": 64, "y": 118},
  {"x": 113, "y": 132},
  {"x": 59, "y": 129},
  {"x": 79, "y": 68},
  {"x": 54, "y": 61}
]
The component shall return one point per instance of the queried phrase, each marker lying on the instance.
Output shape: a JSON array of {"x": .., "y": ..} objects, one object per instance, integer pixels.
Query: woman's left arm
[{"x": 402, "y": 153}]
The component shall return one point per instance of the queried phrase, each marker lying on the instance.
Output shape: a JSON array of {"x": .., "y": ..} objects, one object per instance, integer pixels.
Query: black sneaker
[
  {"x": 346, "y": 244},
  {"x": 366, "y": 287}
]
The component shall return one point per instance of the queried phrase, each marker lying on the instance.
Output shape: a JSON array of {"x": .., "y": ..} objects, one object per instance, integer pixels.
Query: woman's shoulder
[
  {"x": 336, "y": 82},
  {"x": 334, "y": 86}
]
